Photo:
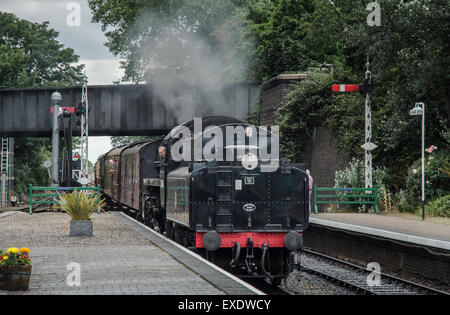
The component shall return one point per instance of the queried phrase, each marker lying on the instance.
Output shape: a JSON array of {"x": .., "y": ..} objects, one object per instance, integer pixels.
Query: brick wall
[
  {"x": 273, "y": 94},
  {"x": 323, "y": 159}
]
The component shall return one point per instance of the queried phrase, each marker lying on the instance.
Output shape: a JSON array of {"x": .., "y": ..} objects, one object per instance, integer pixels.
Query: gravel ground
[
  {"x": 47, "y": 230},
  {"x": 421, "y": 280},
  {"x": 303, "y": 283}
]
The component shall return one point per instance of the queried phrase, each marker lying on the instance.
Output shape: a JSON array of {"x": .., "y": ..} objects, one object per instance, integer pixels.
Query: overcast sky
[{"x": 87, "y": 40}]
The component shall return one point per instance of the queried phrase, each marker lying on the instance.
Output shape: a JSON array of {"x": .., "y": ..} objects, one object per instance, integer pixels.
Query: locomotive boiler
[{"x": 218, "y": 186}]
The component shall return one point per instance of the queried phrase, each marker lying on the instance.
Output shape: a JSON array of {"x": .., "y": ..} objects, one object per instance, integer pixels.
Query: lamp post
[
  {"x": 56, "y": 99},
  {"x": 419, "y": 109}
]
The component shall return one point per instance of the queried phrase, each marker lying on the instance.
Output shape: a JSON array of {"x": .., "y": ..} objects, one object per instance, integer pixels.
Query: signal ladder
[{"x": 4, "y": 167}]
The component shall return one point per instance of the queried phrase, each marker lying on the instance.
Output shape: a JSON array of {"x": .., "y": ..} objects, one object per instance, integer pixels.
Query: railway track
[{"x": 356, "y": 277}]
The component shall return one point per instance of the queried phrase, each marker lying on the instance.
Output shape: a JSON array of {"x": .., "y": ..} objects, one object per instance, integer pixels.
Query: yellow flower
[
  {"x": 24, "y": 250},
  {"x": 13, "y": 250},
  {"x": 5, "y": 257}
]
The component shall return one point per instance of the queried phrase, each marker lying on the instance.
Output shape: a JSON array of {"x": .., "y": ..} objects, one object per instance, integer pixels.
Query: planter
[
  {"x": 15, "y": 278},
  {"x": 81, "y": 228}
]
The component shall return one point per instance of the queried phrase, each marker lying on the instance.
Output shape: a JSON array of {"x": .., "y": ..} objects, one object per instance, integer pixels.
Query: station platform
[
  {"x": 418, "y": 232},
  {"x": 123, "y": 257}
]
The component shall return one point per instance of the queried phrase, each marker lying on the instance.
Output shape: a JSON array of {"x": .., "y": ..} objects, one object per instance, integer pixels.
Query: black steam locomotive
[{"x": 219, "y": 188}]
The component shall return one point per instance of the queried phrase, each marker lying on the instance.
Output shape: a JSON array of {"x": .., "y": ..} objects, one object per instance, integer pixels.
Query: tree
[
  {"x": 29, "y": 155},
  {"x": 146, "y": 33},
  {"x": 31, "y": 56},
  {"x": 410, "y": 63},
  {"x": 295, "y": 35},
  {"x": 280, "y": 38}
]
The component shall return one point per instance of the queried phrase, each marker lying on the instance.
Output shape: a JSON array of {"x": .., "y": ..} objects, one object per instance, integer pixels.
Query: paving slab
[{"x": 116, "y": 260}]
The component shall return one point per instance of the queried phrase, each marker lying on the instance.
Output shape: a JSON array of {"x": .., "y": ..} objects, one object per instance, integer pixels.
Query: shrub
[
  {"x": 438, "y": 207},
  {"x": 301, "y": 112},
  {"x": 437, "y": 181},
  {"x": 80, "y": 205},
  {"x": 406, "y": 202},
  {"x": 353, "y": 177}
]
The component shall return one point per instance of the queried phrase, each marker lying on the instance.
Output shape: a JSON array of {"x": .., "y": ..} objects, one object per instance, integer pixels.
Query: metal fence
[
  {"x": 55, "y": 195},
  {"x": 370, "y": 199}
]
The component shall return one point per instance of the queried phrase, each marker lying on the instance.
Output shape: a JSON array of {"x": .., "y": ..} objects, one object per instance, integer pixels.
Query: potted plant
[
  {"x": 15, "y": 269},
  {"x": 80, "y": 206}
]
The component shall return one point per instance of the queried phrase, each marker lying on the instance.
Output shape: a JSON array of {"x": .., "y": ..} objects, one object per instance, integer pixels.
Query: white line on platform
[
  {"x": 245, "y": 284},
  {"x": 384, "y": 233}
]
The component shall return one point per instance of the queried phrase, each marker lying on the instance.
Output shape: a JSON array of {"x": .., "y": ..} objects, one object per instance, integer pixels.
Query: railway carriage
[
  {"x": 137, "y": 168},
  {"x": 110, "y": 173}
]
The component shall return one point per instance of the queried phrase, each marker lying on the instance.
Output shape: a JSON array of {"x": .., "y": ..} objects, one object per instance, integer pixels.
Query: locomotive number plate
[
  {"x": 249, "y": 207},
  {"x": 249, "y": 180}
]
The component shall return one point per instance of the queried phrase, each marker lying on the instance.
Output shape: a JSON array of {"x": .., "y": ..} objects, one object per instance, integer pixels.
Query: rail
[
  {"x": 360, "y": 278},
  {"x": 371, "y": 198},
  {"x": 55, "y": 195}
]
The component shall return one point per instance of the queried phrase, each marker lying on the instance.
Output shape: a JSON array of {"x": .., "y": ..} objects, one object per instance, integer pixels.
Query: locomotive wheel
[
  {"x": 155, "y": 225},
  {"x": 141, "y": 216},
  {"x": 178, "y": 237},
  {"x": 169, "y": 230},
  {"x": 144, "y": 216}
]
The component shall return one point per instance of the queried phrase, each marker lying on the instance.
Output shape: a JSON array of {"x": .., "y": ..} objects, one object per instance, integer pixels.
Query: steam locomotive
[{"x": 218, "y": 188}]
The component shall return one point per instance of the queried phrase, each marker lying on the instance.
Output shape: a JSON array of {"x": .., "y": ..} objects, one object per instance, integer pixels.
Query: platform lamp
[
  {"x": 419, "y": 109},
  {"x": 56, "y": 99}
]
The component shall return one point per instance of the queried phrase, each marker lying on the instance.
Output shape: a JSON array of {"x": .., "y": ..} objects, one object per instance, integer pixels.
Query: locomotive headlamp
[
  {"x": 249, "y": 161},
  {"x": 212, "y": 241},
  {"x": 293, "y": 241}
]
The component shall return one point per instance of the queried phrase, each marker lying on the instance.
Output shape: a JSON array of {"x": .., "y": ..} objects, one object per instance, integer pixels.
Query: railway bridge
[{"x": 117, "y": 110}]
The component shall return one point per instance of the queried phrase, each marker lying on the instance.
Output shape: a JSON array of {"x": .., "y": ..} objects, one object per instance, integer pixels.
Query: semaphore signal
[
  {"x": 365, "y": 87},
  {"x": 345, "y": 88}
]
